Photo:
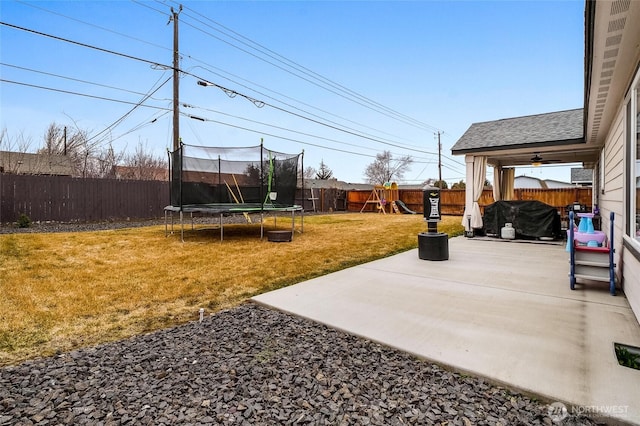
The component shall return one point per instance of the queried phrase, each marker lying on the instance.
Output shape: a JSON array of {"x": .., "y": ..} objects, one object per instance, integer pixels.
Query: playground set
[{"x": 385, "y": 197}]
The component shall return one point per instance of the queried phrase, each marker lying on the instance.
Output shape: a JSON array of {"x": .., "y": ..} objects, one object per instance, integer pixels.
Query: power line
[
  {"x": 124, "y": 55},
  {"x": 106, "y": 86},
  {"x": 156, "y": 64},
  {"x": 69, "y": 92},
  {"x": 151, "y": 62},
  {"x": 226, "y": 90},
  {"x": 300, "y": 68},
  {"x": 250, "y": 99},
  {"x": 167, "y": 110},
  {"x": 270, "y": 53},
  {"x": 276, "y": 136},
  {"x": 292, "y": 99},
  {"x": 94, "y": 25},
  {"x": 275, "y": 127},
  {"x": 119, "y": 120}
]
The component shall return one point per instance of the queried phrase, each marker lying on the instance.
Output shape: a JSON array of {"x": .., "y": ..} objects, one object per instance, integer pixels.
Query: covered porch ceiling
[{"x": 561, "y": 154}]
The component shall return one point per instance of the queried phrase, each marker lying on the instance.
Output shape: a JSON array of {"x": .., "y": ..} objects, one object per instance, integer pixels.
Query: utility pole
[
  {"x": 176, "y": 81},
  {"x": 439, "y": 160}
]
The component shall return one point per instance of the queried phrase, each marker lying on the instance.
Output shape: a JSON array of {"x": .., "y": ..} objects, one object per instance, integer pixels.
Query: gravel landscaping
[
  {"x": 250, "y": 365},
  {"x": 254, "y": 365}
]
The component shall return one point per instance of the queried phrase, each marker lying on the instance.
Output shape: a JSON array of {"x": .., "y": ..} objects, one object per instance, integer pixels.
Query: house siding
[{"x": 612, "y": 200}]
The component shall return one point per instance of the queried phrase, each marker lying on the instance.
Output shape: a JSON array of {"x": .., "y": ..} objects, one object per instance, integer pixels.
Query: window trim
[{"x": 631, "y": 172}]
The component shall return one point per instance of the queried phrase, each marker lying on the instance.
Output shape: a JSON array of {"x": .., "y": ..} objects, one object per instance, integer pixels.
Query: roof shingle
[{"x": 518, "y": 131}]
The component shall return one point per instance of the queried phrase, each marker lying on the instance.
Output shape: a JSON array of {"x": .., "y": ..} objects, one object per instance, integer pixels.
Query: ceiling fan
[{"x": 537, "y": 160}]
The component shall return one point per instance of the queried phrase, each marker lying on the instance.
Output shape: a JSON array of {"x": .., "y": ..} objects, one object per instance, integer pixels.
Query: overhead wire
[
  {"x": 304, "y": 117},
  {"x": 163, "y": 66},
  {"x": 276, "y": 127},
  {"x": 137, "y": 39},
  {"x": 70, "y": 92},
  {"x": 94, "y": 25},
  {"x": 340, "y": 87},
  {"x": 300, "y": 68},
  {"x": 276, "y": 136},
  {"x": 286, "y": 129},
  {"x": 106, "y": 86},
  {"x": 295, "y": 100},
  {"x": 144, "y": 98},
  {"x": 158, "y": 64}
]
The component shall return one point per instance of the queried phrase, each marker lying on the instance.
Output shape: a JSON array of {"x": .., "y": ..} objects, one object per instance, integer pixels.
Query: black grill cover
[{"x": 531, "y": 219}]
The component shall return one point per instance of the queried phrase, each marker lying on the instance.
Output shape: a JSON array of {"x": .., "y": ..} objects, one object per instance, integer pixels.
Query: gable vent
[
  {"x": 617, "y": 24},
  {"x": 620, "y": 6},
  {"x": 613, "y": 40}
]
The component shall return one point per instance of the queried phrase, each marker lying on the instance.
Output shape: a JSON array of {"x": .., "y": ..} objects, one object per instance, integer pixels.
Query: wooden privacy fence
[
  {"x": 67, "y": 199},
  {"x": 452, "y": 200},
  {"x": 323, "y": 199}
]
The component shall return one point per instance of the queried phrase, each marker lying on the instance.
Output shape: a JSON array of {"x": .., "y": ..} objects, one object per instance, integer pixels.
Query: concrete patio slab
[{"x": 497, "y": 309}]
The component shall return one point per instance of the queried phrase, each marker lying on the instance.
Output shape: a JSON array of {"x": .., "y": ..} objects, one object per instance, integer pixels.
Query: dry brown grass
[{"x": 68, "y": 290}]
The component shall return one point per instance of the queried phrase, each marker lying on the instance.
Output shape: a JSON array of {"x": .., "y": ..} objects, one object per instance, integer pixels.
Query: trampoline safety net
[{"x": 253, "y": 177}]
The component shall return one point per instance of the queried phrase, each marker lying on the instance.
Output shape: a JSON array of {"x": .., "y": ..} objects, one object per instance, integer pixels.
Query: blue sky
[{"x": 368, "y": 76}]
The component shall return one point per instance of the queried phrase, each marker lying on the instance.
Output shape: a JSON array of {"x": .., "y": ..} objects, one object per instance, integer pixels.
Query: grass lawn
[{"x": 62, "y": 291}]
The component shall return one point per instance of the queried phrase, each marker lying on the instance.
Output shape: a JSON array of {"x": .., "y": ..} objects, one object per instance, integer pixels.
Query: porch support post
[
  {"x": 468, "y": 192},
  {"x": 497, "y": 183}
]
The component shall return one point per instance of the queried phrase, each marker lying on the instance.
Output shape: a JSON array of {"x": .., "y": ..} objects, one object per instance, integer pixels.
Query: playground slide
[{"x": 403, "y": 208}]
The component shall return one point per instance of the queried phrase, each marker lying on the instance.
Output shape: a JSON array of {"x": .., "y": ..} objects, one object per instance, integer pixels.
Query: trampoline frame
[{"x": 224, "y": 209}]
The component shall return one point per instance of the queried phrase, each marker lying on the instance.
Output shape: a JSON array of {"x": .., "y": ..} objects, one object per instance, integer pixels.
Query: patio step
[
  {"x": 592, "y": 273},
  {"x": 592, "y": 265}
]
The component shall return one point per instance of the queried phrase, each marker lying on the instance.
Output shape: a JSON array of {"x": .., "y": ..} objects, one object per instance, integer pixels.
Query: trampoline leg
[
  {"x": 181, "y": 227},
  {"x": 261, "y": 225},
  {"x": 221, "y": 229},
  {"x": 293, "y": 224},
  {"x": 166, "y": 232}
]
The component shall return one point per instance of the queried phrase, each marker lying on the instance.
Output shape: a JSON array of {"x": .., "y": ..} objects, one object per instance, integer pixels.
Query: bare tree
[
  {"x": 12, "y": 151},
  {"x": 309, "y": 172},
  {"x": 103, "y": 163},
  {"x": 385, "y": 168},
  {"x": 143, "y": 165},
  {"x": 71, "y": 142}
]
